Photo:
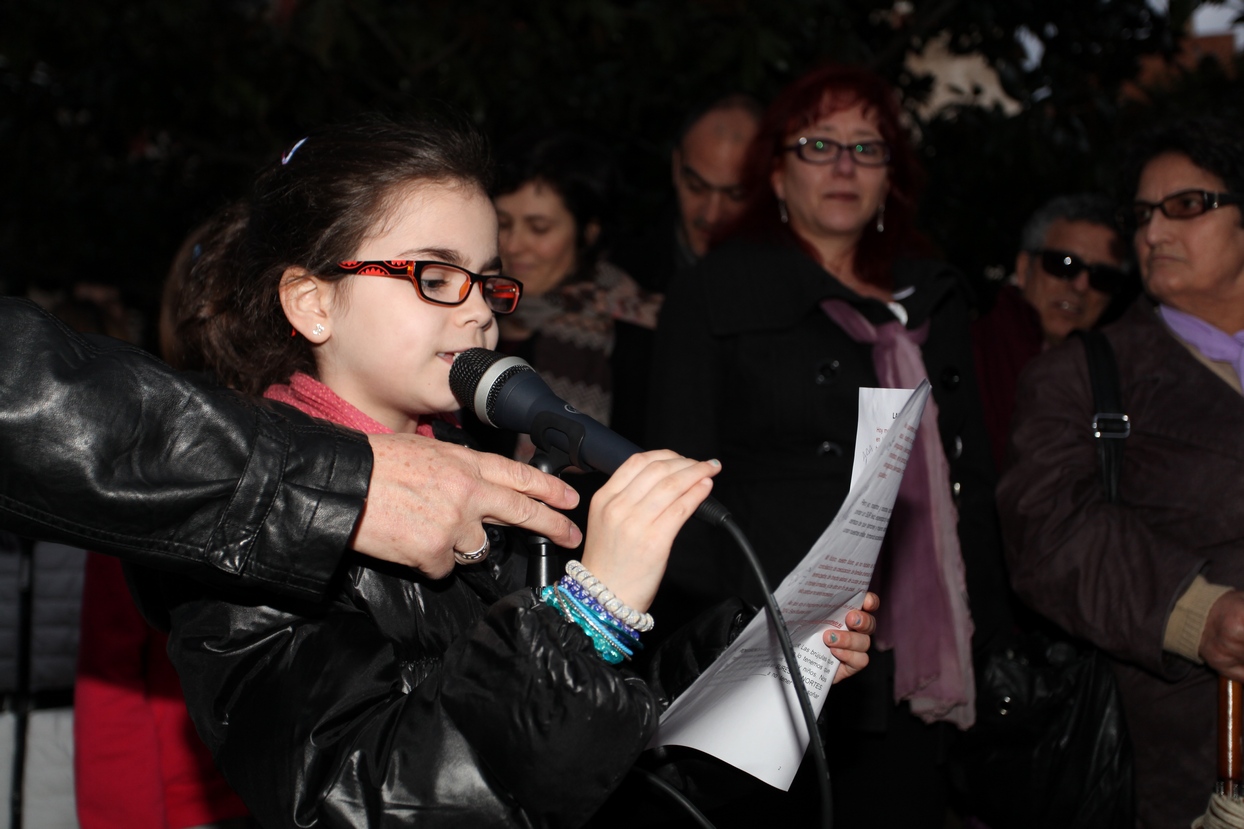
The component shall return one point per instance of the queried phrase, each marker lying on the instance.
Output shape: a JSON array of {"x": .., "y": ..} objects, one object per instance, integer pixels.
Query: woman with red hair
[{"x": 818, "y": 290}]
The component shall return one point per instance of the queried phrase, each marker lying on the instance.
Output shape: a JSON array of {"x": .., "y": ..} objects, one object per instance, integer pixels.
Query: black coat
[
  {"x": 751, "y": 371},
  {"x": 463, "y": 701},
  {"x": 402, "y": 700},
  {"x": 406, "y": 701}
]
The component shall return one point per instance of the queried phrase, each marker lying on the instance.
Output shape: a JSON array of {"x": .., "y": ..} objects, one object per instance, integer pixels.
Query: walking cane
[
  {"x": 1230, "y": 730},
  {"x": 1226, "y": 809}
]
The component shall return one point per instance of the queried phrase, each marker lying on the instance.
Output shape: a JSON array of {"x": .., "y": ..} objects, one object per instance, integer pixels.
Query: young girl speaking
[{"x": 447, "y": 694}]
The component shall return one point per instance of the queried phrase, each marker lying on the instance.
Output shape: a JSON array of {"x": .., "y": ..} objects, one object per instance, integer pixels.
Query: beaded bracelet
[
  {"x": 604, "y": 644},
  {"x": 604, "y": 627},
  {"x": 641, "y": 622},
  {"x": 581, "y": 615},
  {"x": 576, "y": 590}
]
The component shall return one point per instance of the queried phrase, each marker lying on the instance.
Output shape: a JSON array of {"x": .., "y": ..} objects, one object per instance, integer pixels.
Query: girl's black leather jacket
[{"x": 401, "y": 700}]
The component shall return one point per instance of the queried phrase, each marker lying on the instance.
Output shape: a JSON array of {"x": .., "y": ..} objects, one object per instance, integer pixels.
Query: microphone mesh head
[
  {"x": 495, "y": 389},
  {"x": 467, "y": 370}
]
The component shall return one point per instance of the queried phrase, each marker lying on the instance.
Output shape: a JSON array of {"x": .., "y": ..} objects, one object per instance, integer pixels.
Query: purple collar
[{"x": 1213, "y": 343}]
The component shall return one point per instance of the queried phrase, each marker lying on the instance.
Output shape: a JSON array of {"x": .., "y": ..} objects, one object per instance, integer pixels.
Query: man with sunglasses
[
  {"x": 1070, "y": 267},
  {"x": 707, "y": 168}
]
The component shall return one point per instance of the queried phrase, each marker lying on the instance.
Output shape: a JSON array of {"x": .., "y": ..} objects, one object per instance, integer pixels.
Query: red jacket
[
  {"x": 138, "y": 761},
  {"x": 1004, "y": 342}
]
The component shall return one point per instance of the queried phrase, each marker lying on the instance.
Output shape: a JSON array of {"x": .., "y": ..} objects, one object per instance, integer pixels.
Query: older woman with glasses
[
  {"x": 1155, "y": 579},
  {"x": 815, "y": 292}
]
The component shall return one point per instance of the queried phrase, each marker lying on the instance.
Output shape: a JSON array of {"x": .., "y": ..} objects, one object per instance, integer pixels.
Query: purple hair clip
[{"x": 285, "y": 158}]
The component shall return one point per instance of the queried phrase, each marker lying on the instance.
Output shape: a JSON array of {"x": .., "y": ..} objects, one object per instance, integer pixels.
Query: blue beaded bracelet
[
  {"x": 582, "y": 616},
  {"x": 600, "y": 626},
  {"x": 589, "y": 601},
  {"x": 605, "y": 648}
]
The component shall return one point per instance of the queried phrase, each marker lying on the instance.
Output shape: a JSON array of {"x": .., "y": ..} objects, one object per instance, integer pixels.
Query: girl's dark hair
[
  {"x": 820, "y": 92},
  {"x": 310, "y": 209},
  {"x": 580, "y": 170},
  {"x": 1213, "y": 144}
]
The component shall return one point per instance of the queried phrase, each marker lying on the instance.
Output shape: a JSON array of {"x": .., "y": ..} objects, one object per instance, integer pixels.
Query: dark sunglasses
[
  {"x": 1062, "y": 265},
  {"x": 441, "y": 283}
]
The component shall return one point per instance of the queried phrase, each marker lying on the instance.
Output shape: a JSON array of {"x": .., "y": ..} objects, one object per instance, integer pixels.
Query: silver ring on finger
[{"x": 473, "y": 557}]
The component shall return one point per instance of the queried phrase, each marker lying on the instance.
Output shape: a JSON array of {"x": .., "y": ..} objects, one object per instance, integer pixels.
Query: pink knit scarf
[
  {"x": 924, "y": 613},
  {"x": 309, "y": 395}
]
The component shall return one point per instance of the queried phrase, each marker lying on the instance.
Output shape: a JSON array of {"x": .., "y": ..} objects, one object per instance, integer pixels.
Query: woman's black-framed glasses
[
  {"x": 1186, "y": 204},
  {"x": 827, "y": 151},
  {"x": 1067, "y": 266},
  {"x": 441, "y": 283}
]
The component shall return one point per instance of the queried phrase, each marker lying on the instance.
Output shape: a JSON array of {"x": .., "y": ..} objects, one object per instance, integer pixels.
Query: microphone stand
[
  {"x": 558, "y": 441},
  {"x": 542, "y": 569}
]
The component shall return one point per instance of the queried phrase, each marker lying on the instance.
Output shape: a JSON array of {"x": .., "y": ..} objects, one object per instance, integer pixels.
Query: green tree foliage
[{"x": 124, "y": 124}]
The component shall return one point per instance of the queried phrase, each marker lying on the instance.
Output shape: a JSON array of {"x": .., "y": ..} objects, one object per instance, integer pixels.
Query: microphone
[{"x": 507, "y": 393}]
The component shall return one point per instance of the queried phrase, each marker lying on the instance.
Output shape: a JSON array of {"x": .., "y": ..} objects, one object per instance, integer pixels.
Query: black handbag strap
[{"x": 1110, "y": 425}]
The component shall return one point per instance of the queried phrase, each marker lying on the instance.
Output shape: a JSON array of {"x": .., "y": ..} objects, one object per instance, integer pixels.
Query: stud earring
[{"x": 317, "y": 330}]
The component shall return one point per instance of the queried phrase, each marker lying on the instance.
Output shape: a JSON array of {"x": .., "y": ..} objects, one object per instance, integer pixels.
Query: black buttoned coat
[{"x": 750, "y": 370}]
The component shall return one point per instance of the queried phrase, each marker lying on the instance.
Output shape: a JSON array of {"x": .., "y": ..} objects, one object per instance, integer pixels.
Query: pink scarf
[
  {"x": 924, "y": 613},
  {"x": 309, "y": 395}
]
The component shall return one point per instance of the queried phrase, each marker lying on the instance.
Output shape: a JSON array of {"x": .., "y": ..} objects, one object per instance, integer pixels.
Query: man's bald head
[{"x": 708, "y": 167}]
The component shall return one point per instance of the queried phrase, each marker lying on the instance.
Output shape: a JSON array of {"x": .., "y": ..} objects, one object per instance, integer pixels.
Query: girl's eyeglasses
[{"x": 441, "y": 283}]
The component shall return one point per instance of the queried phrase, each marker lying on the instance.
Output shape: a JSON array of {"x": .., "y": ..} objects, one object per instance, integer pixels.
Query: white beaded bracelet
[{"x": 629, "y": 616}]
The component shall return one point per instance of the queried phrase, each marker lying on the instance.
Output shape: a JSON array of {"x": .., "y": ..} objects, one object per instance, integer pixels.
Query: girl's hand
[
  {"x": 851, "y": 646},
  {"x": 634, "y": 517}
]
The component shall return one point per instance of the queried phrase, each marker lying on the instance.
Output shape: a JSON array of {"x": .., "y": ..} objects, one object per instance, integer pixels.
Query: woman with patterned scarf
[{"x": 584, "y": 324}]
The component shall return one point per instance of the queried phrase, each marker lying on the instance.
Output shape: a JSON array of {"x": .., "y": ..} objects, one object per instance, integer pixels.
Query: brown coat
[{"x": 1112, "y": 572}]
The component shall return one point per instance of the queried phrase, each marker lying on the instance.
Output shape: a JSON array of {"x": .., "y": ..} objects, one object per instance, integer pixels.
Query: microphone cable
[
  {"x": 815, "y": 744},
  {"x": 481, "y": 382},
  {"x": 720, "y": 517},
  {"x": 670, "y": 790}
]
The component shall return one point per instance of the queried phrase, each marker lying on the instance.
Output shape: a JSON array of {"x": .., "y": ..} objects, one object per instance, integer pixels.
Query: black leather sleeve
[{"x": 104, "y": 446}]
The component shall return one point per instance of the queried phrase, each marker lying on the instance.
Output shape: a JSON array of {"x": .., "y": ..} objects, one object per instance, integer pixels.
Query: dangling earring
[
  {"x": 782, "y": 214},
  {"x": 881, "y": 218}
]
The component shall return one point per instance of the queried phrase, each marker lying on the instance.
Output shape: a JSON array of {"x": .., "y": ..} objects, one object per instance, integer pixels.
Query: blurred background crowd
[
  {"x": 981, "y": 142},
  {"x": 127, "y": 124}
]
